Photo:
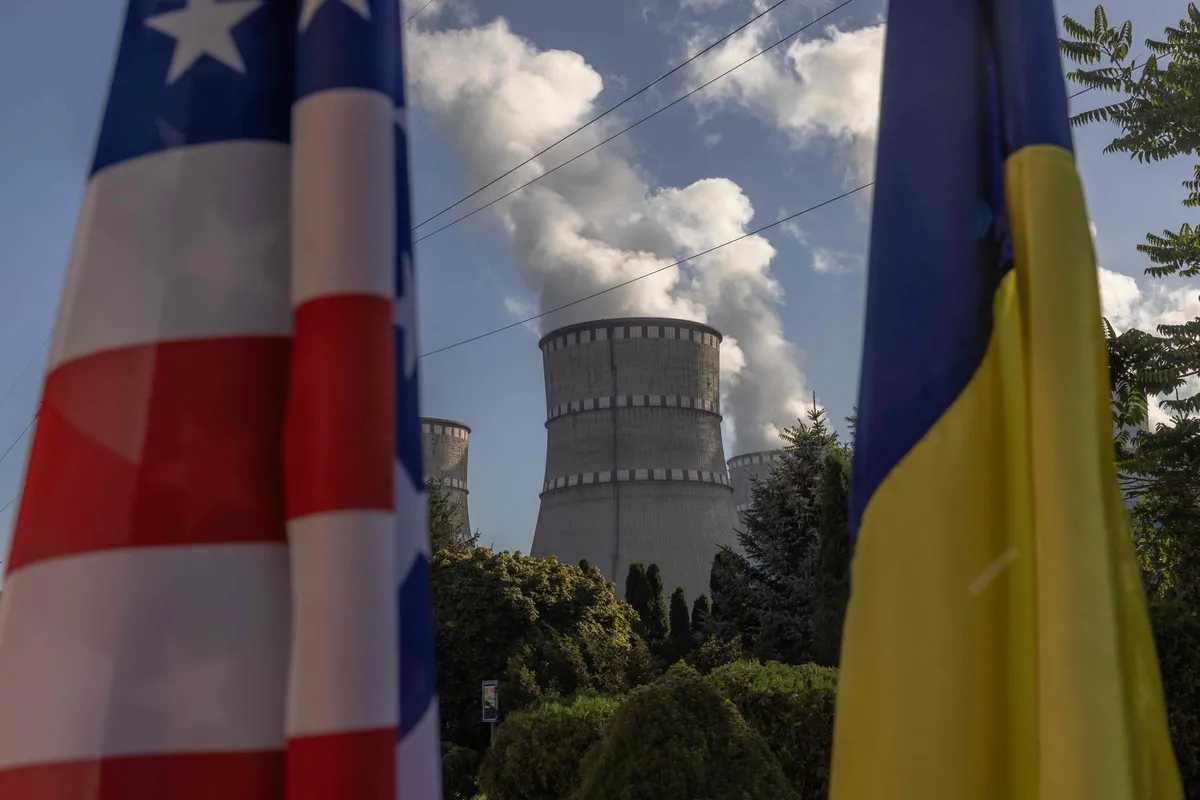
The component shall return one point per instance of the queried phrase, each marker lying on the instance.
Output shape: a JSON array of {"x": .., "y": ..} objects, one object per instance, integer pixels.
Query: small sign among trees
[{"x": 491, "y": 701}]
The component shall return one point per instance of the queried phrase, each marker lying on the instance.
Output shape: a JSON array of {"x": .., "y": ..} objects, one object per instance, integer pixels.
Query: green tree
[
  {"x": 1156, "y": 116},
  {"x": 584, "y": 564},
  {"x": 791, "y": 707},
  {"x": 701, "y": 611},
  {"x": 445, "y": 530},
  {"x": 635, "y": 582},
  {"x": 679, "y": 739},
  {"x": 728, "y": 616},
  {"x": 831, "y": 579},
  {"x": 681, "y": 625},
  {"x": 1177, "y": 640},
  {"x": 459, "y": 766},
  {"x": 538, "y": 626},
  {"x": 653, "y": 608},
  {"x": 537, "y": 753},
  {"x": 1157, "y": 119},
  {"x": 715, "y": 652},
  {"x": 767, "y": 594}
]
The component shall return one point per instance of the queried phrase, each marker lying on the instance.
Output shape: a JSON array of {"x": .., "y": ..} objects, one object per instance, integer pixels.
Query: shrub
[
  {"x": 537, "y": 625},
  {"x": 715, "y": 652},
  {"x": 1177, "y": 640},
  {"x": 459, "y": 765},
  {"x": 678, "y": 739},
  {"x": 536, "y": 753},
  {"x": 791, "y": 707}
]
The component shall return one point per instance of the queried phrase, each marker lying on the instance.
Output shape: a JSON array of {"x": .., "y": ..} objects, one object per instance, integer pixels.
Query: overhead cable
[
  {"x": 603, "y": 142},
  {"x": 604, "y": 113}
]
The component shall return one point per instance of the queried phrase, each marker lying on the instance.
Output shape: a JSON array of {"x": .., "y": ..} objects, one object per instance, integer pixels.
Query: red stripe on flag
[
  {"x": 360, "y": 765},
  {"x": 167, "y": 444},
  {"x": 340, "y": 419},
  {"x": 178, "y": 776}
]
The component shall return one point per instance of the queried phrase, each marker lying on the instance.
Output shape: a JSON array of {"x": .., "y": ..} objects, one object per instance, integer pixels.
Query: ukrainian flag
[{"x": 996, "y": 642}]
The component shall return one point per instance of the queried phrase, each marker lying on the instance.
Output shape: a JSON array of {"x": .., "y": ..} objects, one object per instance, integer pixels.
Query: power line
[
  {"x": 602, "y": 114},
  {"x": 677, "y": 100},
  {"x": 9, "y": 503},
  {"x": 646, "y": 274},
  {"x": 27, "y": 366},
  {"x": 19, "y": 438},
  {"x": 1088, "y": 89},
  {"x": 413, "y": 16}
]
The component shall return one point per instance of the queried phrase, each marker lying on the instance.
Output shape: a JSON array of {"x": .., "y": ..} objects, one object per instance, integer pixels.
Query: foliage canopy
[
  {"x": 770, "y": 596},
  {"x": 791, "y": 707},
  {"x": 679, "y": 739},
  {"x": 536, "y": 753},
  {"x": 538, "y": 626},
  {"x": 1157, "y": 118}
]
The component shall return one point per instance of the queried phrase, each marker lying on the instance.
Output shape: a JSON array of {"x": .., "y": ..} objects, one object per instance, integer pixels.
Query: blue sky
[{"x": 784, "y": 133}]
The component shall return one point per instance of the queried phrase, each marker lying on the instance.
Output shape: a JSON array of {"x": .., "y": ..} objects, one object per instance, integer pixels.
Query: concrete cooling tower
[
  {"x": 444, "y": 454},
  {"x": 635, "y": 469},
  {"x": 743, "y": 470}
]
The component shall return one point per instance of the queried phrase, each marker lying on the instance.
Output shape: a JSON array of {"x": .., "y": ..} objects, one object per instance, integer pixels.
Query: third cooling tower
[
  {"x": 444, "y": 453},
  {"x": 743, "y": 470},
  {"x": 635, "y": 469}
]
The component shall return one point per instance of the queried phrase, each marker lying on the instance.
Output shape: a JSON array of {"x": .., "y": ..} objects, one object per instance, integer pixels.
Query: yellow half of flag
[{"x": 997, "y": 643}]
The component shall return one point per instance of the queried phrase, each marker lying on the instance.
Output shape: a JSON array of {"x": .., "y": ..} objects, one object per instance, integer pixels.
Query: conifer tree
[
  {"x": 654, "y": 615},
  {"x": 765, "y": 595},
  {"x": 831, "y": 580},
  {"x": 681, "y": 625},
  {"x": 701, "y": 612}
]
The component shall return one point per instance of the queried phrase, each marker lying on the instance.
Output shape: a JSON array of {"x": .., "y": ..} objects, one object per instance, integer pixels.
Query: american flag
[{"x": 206, "y": 594}]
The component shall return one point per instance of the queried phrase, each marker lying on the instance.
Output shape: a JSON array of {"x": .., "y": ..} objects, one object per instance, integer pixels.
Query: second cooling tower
[
  {"x": 444, "y": 453},
  {"x": 635, "y": 469},
  {"x": 743, "y": 470}
]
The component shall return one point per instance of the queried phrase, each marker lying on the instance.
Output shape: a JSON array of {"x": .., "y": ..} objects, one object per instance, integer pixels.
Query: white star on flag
[
  {"x": 311, "y": 7},
  {"x": 403, "y": 316},
  {"x": 203, "y": 27}
]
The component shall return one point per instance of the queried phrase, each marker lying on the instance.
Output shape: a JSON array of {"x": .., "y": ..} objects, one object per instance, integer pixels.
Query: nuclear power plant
[
  {"x": 444, "y": 454},
  {"x": 743, "y": 470},
  {"x": 635, "y": 468}
]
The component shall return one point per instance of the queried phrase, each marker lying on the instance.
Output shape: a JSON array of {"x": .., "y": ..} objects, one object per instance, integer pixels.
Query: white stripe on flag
[
  {"x": 419, "y": 758},
  {"x": 343, "y": 675},
  {"x": 344, "y": 197},
  {"x": 190, "y": 243},
  {"x": 152, "y": 650}
]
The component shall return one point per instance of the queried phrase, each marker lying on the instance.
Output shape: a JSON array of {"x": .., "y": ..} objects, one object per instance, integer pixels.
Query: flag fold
[
  {"x": 211, "y": 590},
  {"x": 996, "y": 641}
]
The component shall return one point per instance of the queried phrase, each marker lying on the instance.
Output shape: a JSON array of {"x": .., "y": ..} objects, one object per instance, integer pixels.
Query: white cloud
[
  {"x": 701, "y": 6},
  {"x": 793, "y": 229},
  {"x": 598, "y": 222},
  {"x": 1126, "y": 304},
  {"x": 824, "y": 89},
  {"x": 712, "y": 140},
  {"x": 1092, "y": 228},
  {"x": 824, "y": 261}
]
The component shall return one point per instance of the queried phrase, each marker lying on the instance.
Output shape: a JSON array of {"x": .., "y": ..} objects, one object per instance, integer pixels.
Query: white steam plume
[{"x": 597, "y": 222}]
